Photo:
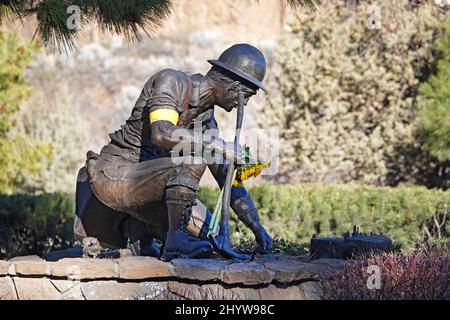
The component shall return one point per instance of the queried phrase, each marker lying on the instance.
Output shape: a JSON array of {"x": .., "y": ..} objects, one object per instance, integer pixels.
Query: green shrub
[
  {"x": 345, "y": 95},
  {"x": 35, "y": 224},
  {"x": 292, "y": 213},
  {"x": 51, "y": 118},
  {"x": 435, "y": 115},
  {"x": 297, "y": 212},
  {"x": 19, "y": 153}
]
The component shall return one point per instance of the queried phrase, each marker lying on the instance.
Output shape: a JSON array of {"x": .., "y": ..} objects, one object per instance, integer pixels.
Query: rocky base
[{"x": 279, "y": 277}]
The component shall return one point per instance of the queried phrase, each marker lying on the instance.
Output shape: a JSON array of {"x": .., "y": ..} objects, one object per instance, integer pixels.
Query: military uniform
[
  {"x": 120, "y": 192},
  {"x": 133, "y": 190}
]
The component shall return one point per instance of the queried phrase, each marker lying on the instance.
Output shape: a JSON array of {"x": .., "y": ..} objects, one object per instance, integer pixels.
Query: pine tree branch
[{"x": 126, "y": 18}]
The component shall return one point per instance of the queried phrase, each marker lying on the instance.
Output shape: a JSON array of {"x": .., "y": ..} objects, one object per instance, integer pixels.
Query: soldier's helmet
[{"x": 245, "y": 61}]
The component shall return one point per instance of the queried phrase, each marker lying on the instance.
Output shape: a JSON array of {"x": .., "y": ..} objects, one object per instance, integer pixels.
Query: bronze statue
[{"x": 134, "y": 191}]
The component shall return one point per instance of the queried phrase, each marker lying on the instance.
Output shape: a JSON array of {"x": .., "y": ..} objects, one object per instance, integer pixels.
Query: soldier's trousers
[{"x": 120, "y": 198}]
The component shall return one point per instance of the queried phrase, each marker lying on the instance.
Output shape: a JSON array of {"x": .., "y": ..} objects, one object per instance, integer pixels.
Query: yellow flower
[{"x": 246, "y": 172}]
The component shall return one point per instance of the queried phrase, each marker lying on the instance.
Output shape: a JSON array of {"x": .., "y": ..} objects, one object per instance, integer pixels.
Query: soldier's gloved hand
[
  {"x": 245, "y": 209},
  {"x": 264, "y": 240}
]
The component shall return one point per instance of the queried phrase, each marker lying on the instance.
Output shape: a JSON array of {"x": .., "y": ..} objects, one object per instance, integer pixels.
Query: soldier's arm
[
  {"x": 166, "y": 95},
  {"x": 165, "y": 134},
  {"x": 242, "y": 203},
  {"x": 164, "y": 131}
]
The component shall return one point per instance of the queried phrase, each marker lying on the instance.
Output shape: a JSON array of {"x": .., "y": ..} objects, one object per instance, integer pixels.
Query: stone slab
[
  {"x": 33, "y": 258},
  {"x": 7, "y": 289},
  {"x": 4, "y": 267},
  {"x": 189, "y": 291},
  {"x": 35, "y": 289},
  {"x": 273, "y": 292},
  {"x": 31, "y": 268},
  {"x": 198, "y": 269},
  {"x": 113, "y": 290},
  {"x": 247, "y": 273},
  {"x": 290, "y": 270},
  {"x": 73, "y": 294},
  {"x": 84, "y": 268},
  {"x": 139, "y": 268},
  {"x": 311, "y": 290},
  {"x": 64, "y": 285}
]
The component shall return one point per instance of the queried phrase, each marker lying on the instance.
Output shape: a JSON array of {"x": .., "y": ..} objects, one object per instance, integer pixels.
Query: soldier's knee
[
  {"x": 179, "y": 193},
  {"x": 187, "y": 175}
]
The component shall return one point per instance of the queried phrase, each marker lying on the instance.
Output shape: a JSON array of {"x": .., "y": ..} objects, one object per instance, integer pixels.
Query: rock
[
  {"x": 289, "y": 270},
  {"x": 113, "y": 290},
  {"x": 7, "y": 289},
  {"x": 12, "y": 269},
  {"x": 273, "y": 292},
  {"x": 330, "y": 263},
  {"x": 4, "y": 267},
  {"x": 209, "y": 292},
  {"x": 238, "y": 293},
  {"x": 28, "y": 265},
  {"x": 35, "y": 289},
  {"x": 30, "y": 268},
  {"x": 349, "y": 246},
  {"x": 84, "y": 268},
  {"x": 247, "y": 273},
  {"x": 143, "y": 268},
  {"x": 183, "y": 290},
  {"x": 27, "y": 258},
  {"x": 198, "y": 269},
  {"x": 73, "y": 294},
  {"x": 64, "y": 285},
  {"x": 311, "y": 290},
  {"x": 325, "y": 266}
]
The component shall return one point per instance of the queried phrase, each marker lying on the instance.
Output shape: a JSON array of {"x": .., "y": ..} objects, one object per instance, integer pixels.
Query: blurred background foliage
[
  {"x": 20, "y": 154},
  {"x": 435, "y": 112},
  {"x": 411, "y": 216},
  {"x": 363, "y": 113},
  {"x": 346, "y": 95},
  {"x": 125, "y": 18}
]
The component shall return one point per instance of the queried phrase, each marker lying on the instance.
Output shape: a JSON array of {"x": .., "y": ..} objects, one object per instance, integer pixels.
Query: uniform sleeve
[{"x": 167, "y": 91}]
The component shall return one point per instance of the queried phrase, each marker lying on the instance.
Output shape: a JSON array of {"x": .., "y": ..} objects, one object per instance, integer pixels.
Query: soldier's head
[{"x": 239, "y": 69}]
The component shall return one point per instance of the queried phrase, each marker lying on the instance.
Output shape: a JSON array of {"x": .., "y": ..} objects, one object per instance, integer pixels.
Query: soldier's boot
[
  {"x": 149, "y": 249},
  {"x": 141, "y": 237},
  {"x": 179, "y": 243}
]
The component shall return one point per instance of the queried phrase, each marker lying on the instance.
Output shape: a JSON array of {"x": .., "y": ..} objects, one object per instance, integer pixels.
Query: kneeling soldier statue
[{"x": 133, "y": 190}]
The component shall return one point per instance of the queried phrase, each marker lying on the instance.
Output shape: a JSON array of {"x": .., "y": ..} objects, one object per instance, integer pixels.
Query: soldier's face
[{"x": 230, "y": 96}]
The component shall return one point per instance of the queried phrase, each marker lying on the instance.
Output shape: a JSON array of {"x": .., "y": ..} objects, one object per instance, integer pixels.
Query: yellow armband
[{"x": 164, "y": 114}]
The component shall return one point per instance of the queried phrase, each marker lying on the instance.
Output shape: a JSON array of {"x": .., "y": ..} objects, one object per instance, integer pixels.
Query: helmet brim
[{"x": 239, "y": 73}]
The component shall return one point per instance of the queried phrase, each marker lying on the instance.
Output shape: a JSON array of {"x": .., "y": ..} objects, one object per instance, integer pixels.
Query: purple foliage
[{"x": 423, "y": 275}]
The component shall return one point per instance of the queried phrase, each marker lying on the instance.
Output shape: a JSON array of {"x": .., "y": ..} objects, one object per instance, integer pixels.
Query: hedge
[
  {"x": 297, "y": 212},
  {"x": 35, "y": 224},
  {"x": 409, "y": 215}
]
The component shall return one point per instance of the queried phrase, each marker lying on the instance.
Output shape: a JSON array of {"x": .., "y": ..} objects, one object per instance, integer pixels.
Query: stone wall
[{"x": 128, "y": 278}]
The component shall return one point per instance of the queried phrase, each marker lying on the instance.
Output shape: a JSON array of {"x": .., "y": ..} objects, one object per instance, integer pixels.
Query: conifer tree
[
  {"x": 19, "y": 154},
  {"x": 56, "y": 18},
  {"x": 435, "y": 114}
]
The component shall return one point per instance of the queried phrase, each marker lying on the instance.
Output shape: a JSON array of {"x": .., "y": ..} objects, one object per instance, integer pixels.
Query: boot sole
[{"x": 200, "y": 254}]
